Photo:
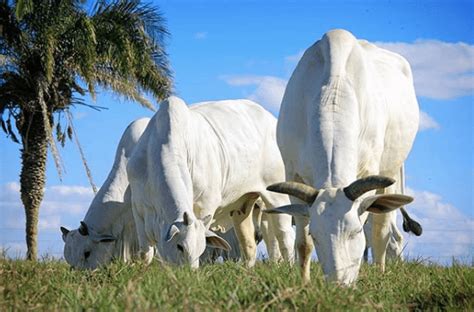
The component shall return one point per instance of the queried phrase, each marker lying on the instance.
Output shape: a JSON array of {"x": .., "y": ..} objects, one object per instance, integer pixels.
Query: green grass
[{"x": 52, "y": 285}]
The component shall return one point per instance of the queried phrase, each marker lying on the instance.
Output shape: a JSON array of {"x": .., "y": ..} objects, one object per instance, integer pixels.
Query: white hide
[
  {"x": 206, "y": 161},
  {"x": 109, "y": 220},
  {"x": 349, "y": 111}
]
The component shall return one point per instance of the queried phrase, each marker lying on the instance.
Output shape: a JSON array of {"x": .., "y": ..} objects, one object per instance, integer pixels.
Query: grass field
[{"x": 52, "y": 285}]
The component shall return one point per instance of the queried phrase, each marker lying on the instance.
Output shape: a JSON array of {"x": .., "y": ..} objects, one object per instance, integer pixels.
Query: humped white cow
[
  {"x": 108, "y": 230},
  {"x": 348, "y": 120},
  {"x": 202, "y": 163}
]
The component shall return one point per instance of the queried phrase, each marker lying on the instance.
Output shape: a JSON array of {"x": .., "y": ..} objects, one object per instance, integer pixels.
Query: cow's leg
[
  {"x": 263, "y": 224},
  {"x": 281, "y": 224},
  {"x": 381, "y": 224},
  {"x": 146, "y": 251},
  {"x": 380, "y": 237},
  {"x": 270, "y": 240},
  {"x": 304, "y": 246},
  {"x": 245, "y": 231}
]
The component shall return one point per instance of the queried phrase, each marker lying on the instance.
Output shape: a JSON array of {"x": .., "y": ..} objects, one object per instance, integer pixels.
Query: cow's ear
[
  {"x": 215, "y": 241},
  {"x": 65, "y": 232},
  {"x": 171, "y": 232},
  {"x": 384, "y": 203}
]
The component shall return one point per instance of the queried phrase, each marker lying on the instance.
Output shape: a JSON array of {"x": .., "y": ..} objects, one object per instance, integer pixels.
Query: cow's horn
[
  {"x": 299, "y": 190},
  {"x": 363, "y": 185},
  {"x": 187, "y": 220},
  {"x": 83, "y": 230}
]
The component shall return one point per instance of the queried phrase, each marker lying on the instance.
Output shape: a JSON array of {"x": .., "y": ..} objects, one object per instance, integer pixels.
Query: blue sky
[{"x": 248, "y": 49}]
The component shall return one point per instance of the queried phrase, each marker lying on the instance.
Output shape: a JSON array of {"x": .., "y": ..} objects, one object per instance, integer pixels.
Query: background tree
[{"x": 52, "y": 52}]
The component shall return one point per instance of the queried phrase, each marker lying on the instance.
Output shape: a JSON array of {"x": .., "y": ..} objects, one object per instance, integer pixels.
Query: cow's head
[
  {"x": 187, "y": 239},
  {"x": 335, "y": 224},
  {"x": 85, "y": 249}
]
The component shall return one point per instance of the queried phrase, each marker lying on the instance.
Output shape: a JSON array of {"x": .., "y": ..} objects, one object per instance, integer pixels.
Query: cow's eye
[
  {"x": 180, "y": 248},
  {"x": 354, "y": 233},
  {"x": 87, "y": 254}
]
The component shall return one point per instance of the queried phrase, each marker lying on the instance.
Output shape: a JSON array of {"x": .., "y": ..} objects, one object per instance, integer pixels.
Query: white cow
[
  {"x": 349, "y": 112},
  {"x": 195, "y": 164},
  {"x": 108, "y": 230}
]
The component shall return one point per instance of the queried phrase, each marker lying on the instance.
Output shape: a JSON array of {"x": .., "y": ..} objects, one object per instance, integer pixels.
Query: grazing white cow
[
  {"x": 108, "y": 230},
  {"x": 348, "y": 120},
  {"x": 202, "y": 163}
]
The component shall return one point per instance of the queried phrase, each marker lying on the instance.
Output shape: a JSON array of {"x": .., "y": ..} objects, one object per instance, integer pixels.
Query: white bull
[
  {"x": 108, "y": 230},
  {"x": 195, "y": 164},
  {"x": 348, "y": 120}
]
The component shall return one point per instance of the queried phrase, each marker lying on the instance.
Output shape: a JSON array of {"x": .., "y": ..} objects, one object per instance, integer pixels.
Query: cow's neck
[
  {"x": 174, "y": 184},
  {"x": 112, "y": 200}
]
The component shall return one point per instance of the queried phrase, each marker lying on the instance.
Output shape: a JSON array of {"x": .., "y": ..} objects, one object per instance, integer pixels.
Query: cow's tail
[{"x": 409, "y": 225}]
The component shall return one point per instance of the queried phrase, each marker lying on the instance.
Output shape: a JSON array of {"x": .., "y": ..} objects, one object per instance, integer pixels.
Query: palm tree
[{"x": 52, "y": 52}]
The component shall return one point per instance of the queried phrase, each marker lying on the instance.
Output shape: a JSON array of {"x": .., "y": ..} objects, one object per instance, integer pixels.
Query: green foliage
[
  {"x": 51, "y": 50},
  {"x": 51, "y": 285}
]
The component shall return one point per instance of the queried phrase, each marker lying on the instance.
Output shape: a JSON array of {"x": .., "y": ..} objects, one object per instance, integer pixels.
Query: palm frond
[
  {"x": 72, "y": 133},
  {"x": 23, "y": 7},
  {"x": 48, "y": 128},
  {"x": 124, "y": 87},
  {"x": 133, "y": 44}
]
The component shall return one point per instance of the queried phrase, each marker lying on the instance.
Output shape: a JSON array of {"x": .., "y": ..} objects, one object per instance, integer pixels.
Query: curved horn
[
  {"x": 299, "y": 190},
  {"x": 187, "y": 220},
  {"x": 83, "y": 230},
  {"x": 363, "y": 185}
]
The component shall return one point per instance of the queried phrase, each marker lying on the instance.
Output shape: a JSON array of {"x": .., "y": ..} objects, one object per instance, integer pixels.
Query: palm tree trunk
[{"x": 33, "y": 177}]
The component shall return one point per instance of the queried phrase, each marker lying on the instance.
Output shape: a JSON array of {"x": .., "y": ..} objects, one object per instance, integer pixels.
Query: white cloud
[
  {"x": 12, "y": 186},
  {"x": 68, "y": 190},
  {"x": 66, "y": 200},
  {"x": 441, "y": 70},
  {"x": 52, "y": 222},
  {"x": 427, "y": 122},
  {"x": 268, "y": 89},
  {"x": 61, "y": 205},
  {"x": 200, "y": 35},
  {"x": 447, "y": 232}
]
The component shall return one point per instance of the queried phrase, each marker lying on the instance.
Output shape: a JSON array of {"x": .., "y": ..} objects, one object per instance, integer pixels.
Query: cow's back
[
  {"x": 112, "y": 200},
  {"x": 350, "y": 97},
  {"x": 244, "y": 137}
]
